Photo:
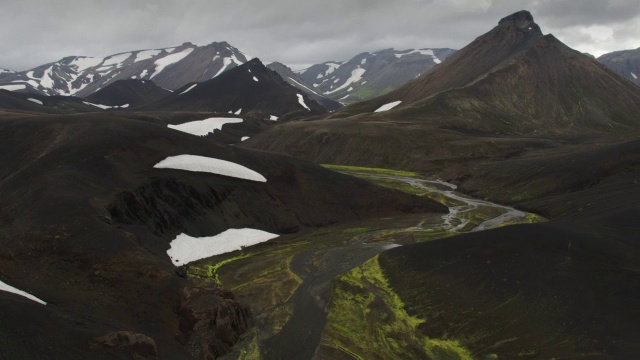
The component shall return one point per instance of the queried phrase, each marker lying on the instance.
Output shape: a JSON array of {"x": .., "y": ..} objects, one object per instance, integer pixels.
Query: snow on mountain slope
[
  {"x": 170, "y": 68},
  {"x": 370, "y": 74},
  {"x": 293, "y": 79},
  {"x": 624, "y": 62}
]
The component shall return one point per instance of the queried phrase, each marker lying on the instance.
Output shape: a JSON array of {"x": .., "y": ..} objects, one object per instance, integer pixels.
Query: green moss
[
  {"x": 367, "y": 320},
  {"x": 357, "y": 231},
  {"x": 250, "y": 350},
  {"x": 380, "y": 171},
  {"x": 207, "y": 273}
]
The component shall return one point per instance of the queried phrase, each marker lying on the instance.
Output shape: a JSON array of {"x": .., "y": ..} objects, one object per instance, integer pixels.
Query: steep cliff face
[{"x": 211, "y": 321}]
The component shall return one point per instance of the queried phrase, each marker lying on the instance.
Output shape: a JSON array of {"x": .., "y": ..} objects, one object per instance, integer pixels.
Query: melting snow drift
[
  {"x": 388, "y": 106},
  {"x": 301, "y": 101},
  {"x": 203, "y": 127},
  {"x": 185, "y": 249},
  {"x": 11, "y": 289},
  {"x": 35, "y": 101},
  {"x": 205, "y": 164}
]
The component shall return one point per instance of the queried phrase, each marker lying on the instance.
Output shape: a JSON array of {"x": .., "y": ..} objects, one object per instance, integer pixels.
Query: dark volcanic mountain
[
  {"x": 250, "y": 89},
  {"x": 294, "y": 80},
  {"x": 499, "y": 96},
  {"x": 87, "y": 220},
  {"x": 624, "y": 62},
  {"x": 516, "y": 80},
  {"x": 169, "y": 68},
  {"x": 133, "y": 92},
  {"x": 12, "y": 101},
  {"x": 370, "y": 74}
]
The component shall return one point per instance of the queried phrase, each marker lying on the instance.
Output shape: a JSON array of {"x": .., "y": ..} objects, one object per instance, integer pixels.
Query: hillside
[
  {"x": 624, "y": 62},
  {"x": 250, "y": 89}
]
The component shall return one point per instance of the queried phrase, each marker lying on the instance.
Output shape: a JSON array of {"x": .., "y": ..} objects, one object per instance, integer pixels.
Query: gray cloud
[{"x": 295, "y": 32}]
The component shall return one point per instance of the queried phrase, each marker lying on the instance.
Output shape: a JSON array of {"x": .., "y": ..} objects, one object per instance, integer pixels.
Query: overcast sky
[{"x": 295, "y": 32}]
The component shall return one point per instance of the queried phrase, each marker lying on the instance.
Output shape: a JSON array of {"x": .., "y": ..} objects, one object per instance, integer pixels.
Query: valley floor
[{"x": 322, "y": 293}]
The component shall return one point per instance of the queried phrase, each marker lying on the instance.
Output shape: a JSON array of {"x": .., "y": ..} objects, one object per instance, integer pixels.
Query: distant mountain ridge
[
  {"x": 371, "y": 74},
  {"x": 624, "y": 62},
  {"x": 249, "y": 89},
  {"x": 293, "y": 79},
  {"x": 169, "y": 68}
]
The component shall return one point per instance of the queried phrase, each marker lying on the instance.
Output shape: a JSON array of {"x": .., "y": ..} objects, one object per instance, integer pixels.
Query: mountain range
[
  {"x": 169, "y": 68},
  {"x": 624, "y": 62},
  {"x": 471, "y": 204}
]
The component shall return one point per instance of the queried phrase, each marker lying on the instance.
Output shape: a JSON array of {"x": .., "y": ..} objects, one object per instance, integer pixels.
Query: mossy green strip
[
  {"x": 367, "y": 320},
  {"x": 380, "y": 171}
]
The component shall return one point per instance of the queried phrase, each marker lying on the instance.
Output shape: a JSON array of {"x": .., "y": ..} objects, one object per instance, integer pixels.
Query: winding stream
[{"x": 301, "y": 335}]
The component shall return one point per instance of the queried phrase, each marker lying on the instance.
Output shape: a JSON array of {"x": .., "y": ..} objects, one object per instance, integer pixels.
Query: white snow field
[
  {"x": 13, "y": 87},
  {"x": 273, "y": 117},
  {"x": 301, "y": 101},
  {"x": 255, "y": 79},
  {"x": 356, "y": 75},
  {"x": 35, "y": 101},
  {"x": 244, "y": 138},
  {"x": 203, "y": 127},
  {"x": 198, "y": 163},
  {"x": 634, "y": 76},
  {"x": 185, "y": 249},
  {"x": 146, "y": 54},
  {"x": 168, "y": 60},
  {"x": 388, "y": 106},
  {"x": 11, "y": 289},
  {"x": 427, "y": 52}
]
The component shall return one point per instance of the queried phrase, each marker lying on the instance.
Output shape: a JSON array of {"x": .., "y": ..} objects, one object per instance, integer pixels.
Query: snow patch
[
  {"x": 363, "y": 61},
  {"x": 634, "y": 76},
  {"x": 225, "y": 62},
  {"x": 13, "y": 87},
  {"x": 311, "y": 90},
  {"x": 168, "y": 60},
  {"x": 146, "y": 54},
  {"x": 189, "y": 89},
  {"x": 185, "y": 249},
  {"x": 244, "y": 138},
  {"x": 116, "y": 60},
  {"x": 46, "y": 80},
  {"x": 301, "y": 101},
  {"x": 35, "y": 101},
  {"x": 83, "y": 63},
  {"x": 203, "y": 127},
  {"x": 344, "y": 97},
  {"x": 388, "y": 106},
  {"x": 143, "y": 73},
  {"x": 273, "y": 117},
  {"x": 255, "y": 79},
  {"x": 238, "y": 112},
  {"x": 332, "y": 68},
  {"x": 426, "y": 52},
  {"x": 356, "y": 75},
  {"x": 105, "y": 107},
  {"x": 11, "y": 289},
  {"x": 211, "y": 165}
]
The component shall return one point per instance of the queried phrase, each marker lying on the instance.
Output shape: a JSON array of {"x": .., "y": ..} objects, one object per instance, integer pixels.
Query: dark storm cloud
[{"x": 295, "y": 32}]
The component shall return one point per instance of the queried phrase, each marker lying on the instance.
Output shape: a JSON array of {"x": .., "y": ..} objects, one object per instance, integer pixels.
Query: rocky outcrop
[
  {"x": 129, "y": 344},
  {"x": 211, "y": 321}
]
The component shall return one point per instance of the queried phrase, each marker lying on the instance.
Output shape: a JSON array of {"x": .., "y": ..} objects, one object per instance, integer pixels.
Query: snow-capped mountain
[
  {"x": 169, "y": 68},
  {"x": 624, "y": 62},
  {"x": 370, "y": 74},
  {"x": 294, "y": 80}
]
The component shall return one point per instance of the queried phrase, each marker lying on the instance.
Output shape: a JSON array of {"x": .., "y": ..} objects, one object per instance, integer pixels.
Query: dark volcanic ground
[{"x": 86, "y": 221}]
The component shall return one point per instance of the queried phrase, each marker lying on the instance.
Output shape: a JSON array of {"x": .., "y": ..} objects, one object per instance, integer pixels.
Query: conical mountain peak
[{"x": 521, "y": 20}]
